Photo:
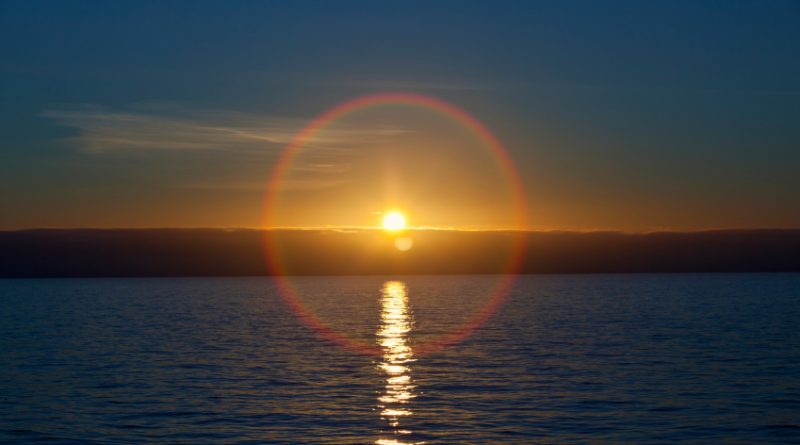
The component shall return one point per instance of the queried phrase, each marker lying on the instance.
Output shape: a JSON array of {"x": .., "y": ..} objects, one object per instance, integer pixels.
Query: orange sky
[{"x": 635, "y": 117}]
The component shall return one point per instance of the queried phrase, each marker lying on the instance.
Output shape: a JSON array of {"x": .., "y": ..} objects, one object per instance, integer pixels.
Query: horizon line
[{"x": 407, "y": 229}]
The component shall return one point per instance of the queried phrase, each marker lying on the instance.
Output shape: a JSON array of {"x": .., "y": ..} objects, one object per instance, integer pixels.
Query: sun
[{"x": 394, "y": 221}]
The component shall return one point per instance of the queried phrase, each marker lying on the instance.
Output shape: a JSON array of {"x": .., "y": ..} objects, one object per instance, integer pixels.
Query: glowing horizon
[{"x": 427, "y": 165}]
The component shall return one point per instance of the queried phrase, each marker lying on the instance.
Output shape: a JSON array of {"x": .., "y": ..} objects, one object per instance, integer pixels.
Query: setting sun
[{"x": 394, "y": 221}]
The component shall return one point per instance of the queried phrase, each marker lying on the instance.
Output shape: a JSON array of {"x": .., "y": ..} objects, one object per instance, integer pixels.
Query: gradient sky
[{"x": 634, "y": 116}]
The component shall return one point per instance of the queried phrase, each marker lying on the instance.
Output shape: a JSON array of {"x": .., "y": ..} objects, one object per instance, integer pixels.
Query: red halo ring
[{"x": 502, "y": 289}]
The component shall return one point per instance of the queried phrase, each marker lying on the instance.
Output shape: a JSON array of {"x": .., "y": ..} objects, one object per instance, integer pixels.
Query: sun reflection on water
[{"x": 392, "y": 336}]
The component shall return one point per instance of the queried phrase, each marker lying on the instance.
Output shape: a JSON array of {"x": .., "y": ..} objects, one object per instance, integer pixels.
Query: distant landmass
[{"x": 243, "y": 252}]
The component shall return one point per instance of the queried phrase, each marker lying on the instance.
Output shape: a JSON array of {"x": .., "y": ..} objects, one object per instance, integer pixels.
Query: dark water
[{"x": 567, "y": 359}]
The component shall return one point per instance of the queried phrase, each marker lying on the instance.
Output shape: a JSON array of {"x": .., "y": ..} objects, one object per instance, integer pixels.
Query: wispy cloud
[
  {"x": 107, "y": 131},
  {"x": 286, "y": 185},
  {"x": 159, "y": 130}
]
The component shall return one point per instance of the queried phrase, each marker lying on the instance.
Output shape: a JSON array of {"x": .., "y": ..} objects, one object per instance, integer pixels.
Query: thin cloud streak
[
  {"x": 102, "y": 131},
  {"x": 260, "y": 187},
  {"x": 234, "y": 137}
]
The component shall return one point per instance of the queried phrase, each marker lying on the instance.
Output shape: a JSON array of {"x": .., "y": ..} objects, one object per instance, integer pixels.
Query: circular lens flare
[
  {"x": 395, "y": 222},
  {"x": 404, "y": 243}
]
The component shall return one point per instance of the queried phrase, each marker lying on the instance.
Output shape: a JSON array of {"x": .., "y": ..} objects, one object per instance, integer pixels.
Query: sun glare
[{"x": 394, "y": 221}]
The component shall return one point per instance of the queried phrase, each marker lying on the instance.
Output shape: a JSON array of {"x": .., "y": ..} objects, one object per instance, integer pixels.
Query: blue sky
[{"x": 620, "y": 115}]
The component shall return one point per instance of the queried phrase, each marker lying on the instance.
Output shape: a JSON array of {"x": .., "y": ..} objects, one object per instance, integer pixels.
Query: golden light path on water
[{"x": 392, "y": 336}]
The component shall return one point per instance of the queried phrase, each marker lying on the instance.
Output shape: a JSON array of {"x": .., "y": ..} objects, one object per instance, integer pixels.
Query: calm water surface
[{"x": 567, "y": 359}]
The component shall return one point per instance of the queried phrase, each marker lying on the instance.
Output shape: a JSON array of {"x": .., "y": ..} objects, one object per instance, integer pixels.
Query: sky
[{"x": 626, "y": 116}]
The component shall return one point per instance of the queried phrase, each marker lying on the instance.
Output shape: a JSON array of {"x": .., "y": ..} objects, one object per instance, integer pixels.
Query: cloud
[
  {"x": 239, "y": 139},
  {"x": 286, "y": 185},
  {"x": 102, "y": 131}
]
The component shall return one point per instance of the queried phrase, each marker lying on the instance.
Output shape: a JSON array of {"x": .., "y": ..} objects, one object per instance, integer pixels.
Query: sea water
[{"x": 706, "y": 358}]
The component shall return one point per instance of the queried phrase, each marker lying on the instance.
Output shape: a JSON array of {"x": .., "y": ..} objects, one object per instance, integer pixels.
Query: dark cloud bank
[{"x": 216, "y": 252}]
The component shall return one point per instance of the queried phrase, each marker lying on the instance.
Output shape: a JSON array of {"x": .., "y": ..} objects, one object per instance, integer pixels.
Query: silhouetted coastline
[{"x": 241, "y": 252}]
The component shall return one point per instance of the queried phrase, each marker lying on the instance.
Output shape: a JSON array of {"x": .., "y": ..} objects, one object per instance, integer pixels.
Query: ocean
[{"x": 565, "y": 359}]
